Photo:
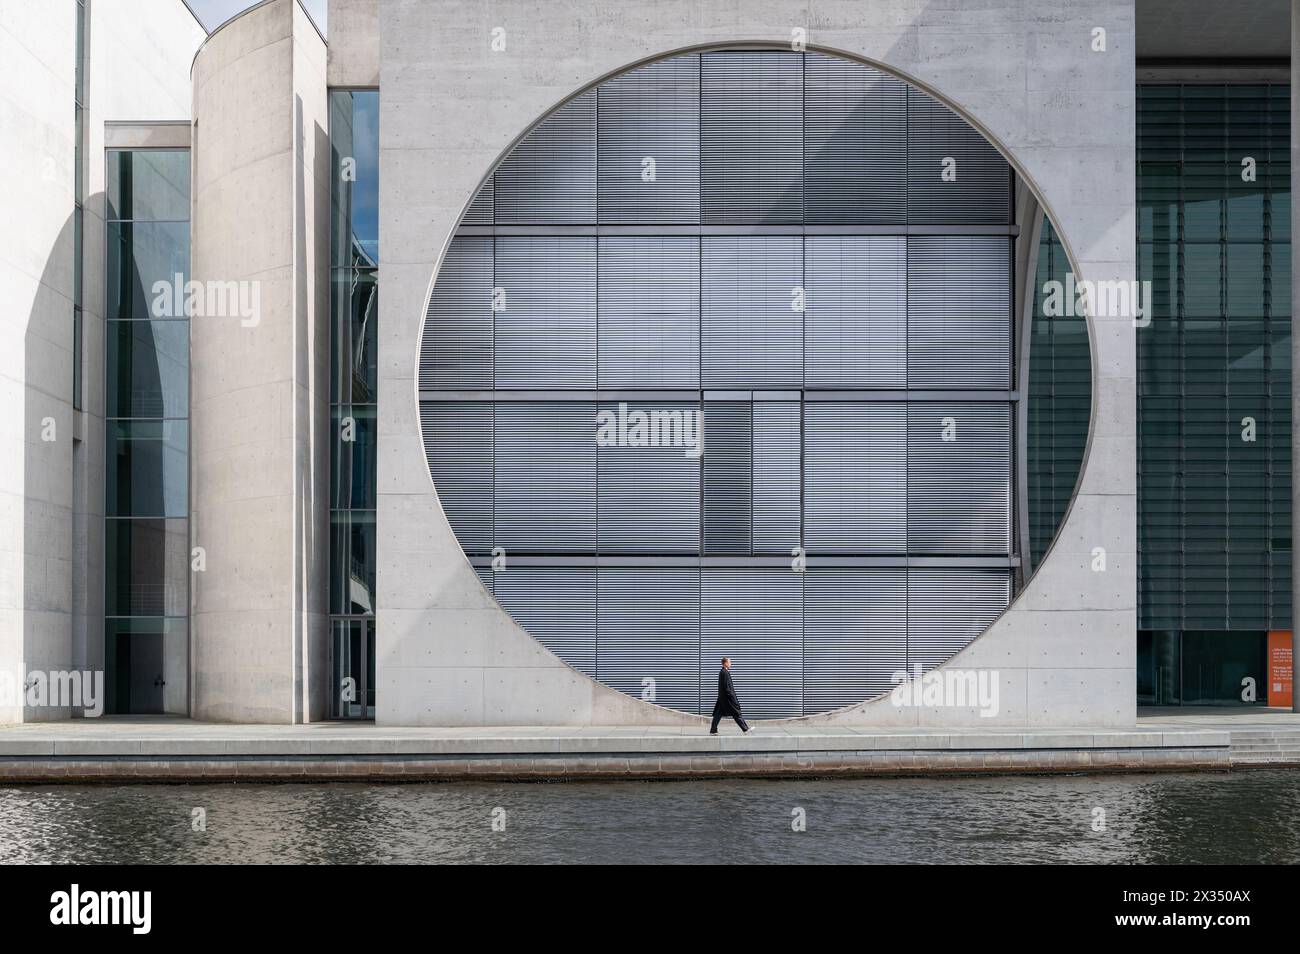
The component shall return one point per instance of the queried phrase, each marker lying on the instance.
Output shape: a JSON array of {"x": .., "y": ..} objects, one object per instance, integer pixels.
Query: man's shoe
[{"x": 713, "y": 733}]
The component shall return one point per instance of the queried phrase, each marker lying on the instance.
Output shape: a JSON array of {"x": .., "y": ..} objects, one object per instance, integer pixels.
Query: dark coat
[{"x": 727, "y": 700}]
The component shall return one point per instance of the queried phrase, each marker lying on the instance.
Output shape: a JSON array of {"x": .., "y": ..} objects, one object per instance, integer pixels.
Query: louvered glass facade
[
  {"x": 721, "y": 361},
  {"x": 1214, "y": 389}
]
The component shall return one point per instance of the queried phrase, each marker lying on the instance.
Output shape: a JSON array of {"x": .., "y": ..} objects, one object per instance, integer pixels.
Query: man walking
[{"x": 727, "y": 704}]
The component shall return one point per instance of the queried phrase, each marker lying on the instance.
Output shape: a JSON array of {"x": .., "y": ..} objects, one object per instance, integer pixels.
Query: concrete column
[
  {"x": 260, "y": 393},
  {"x": 1295, "y": 353}
]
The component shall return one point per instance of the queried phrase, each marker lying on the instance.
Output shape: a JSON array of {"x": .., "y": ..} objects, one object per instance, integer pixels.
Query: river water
[{"x": 1242, "y": 817}]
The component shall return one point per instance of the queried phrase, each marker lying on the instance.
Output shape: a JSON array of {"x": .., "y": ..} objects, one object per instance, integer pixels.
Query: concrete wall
[
  {"x": 354, "y": 43},
  {"x": 37, "y": 43},
  {"x": 259, "y": 414},
  {"x": 1026, "y": 74}
]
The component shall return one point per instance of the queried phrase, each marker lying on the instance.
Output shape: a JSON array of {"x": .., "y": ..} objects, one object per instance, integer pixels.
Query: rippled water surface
[{"x": 1243, "y": 817}]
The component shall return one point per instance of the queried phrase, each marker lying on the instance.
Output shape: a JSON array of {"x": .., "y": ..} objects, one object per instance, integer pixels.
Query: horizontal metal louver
[
  {"x": 456, "y": 349},
  {"x": 855, "y": 634},
  {"x": 546, "y": 316},
  {"x": 557, "y": 605},
  {"x": 485, "y": 575},
  {"x": 458, "y": 446},
  {"x": 545, "y": 485},
  {"x": 649, "y": 625},
  {"x": 751, "y": 168},
  {"x": 855, "y": 143},
  {"x": 550, "y": 177},
  {"x": 649, "y": 143},
  {"x": 480, "y": 207},
  {"x": 755, "y": 616},
  {"x": 959, "y": 478},
  {"x": 954, "y": 175},
  {"x": 855, "y": 477},
  {"x": 649, "y": 323},
  {"x": 728, "y": 477},
  {"x": 752, "y": 321},
  {"x": 959, "y": 312},
  {"x": 856, "y": 315},
  {"x": 778, "y": 436},
  {"x": 949, "y": 607},
  {"x": 649, "y": 479}
]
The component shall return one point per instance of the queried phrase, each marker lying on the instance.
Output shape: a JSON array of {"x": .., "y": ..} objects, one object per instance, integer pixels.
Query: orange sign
[{"x": 1280, "y": 668}]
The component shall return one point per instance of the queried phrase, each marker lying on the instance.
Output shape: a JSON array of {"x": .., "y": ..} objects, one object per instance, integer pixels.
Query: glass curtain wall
[
  {"x": 1214, "y": 383},
  {"x": 354, "y": 138},
  {"x": 146, "y": 410}
]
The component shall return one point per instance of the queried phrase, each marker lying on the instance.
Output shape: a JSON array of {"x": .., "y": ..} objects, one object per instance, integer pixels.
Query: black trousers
[{"x": 721, "y": 710}]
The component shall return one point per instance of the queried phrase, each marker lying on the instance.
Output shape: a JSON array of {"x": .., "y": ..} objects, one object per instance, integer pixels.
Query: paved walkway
[{"x": 174, "y": 748}]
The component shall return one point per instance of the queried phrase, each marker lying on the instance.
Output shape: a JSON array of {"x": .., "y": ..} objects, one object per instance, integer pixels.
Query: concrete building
[{"x": 508, "y": 364}]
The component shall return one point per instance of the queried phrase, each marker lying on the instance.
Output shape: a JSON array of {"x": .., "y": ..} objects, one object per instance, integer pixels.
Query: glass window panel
[
  {"x": 78, "y": 250},
  {"x": 855, "y": 477},
  {"x": 149, "y": 185},
  {"x": 649, "y": 625},
  {"x": 354, "y": 356},
  {"x": 1247, "y": 284},
  {"x": 456, "y": 350},
  {"x": 752, "y": 320},
  {"x": 148, "y": 468},
  {"x": 352, "y": 457},
  {"x": 648, "y": 484},
  {"x": 352, "y": 668},
  {"x": 144, "y": 261},
  {"x": 146, "y": 665},
  {"x": 1204, "y": 185},
  {"x": 557, "y": 605},
  {"x": 352, "y": 562},
  {"x": 551, "y": 175},
  {"x": 354, "y": 156},
  {"x": 147, "y": 565},
  {"x": 649, "y": 323},
  {"x": 77, "y": 357},
  {"x": 855, "y": 143},
  {"x": 940, "y": 142},
  {"x": 1202, "y": 280},
  {"x": 545, "y": 330},
  {"x": 1216, "y": 663},
  {"x": 652, "y": 112},
  {"x": 751, "y": 151},
  {"x": 778, "y": 473},
  {"x": 856, "y": 311},
  {"x": 148, "y": 368},
  {"x": 958, "y": 312},
  {"x": 545, "y": 477},
  {"x": 728, "y": 477},
  {"x": 458, "y": 447}
]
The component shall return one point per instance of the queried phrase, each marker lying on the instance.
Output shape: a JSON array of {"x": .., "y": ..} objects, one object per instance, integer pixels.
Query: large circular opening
[{"x": 726, "y": 358}]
